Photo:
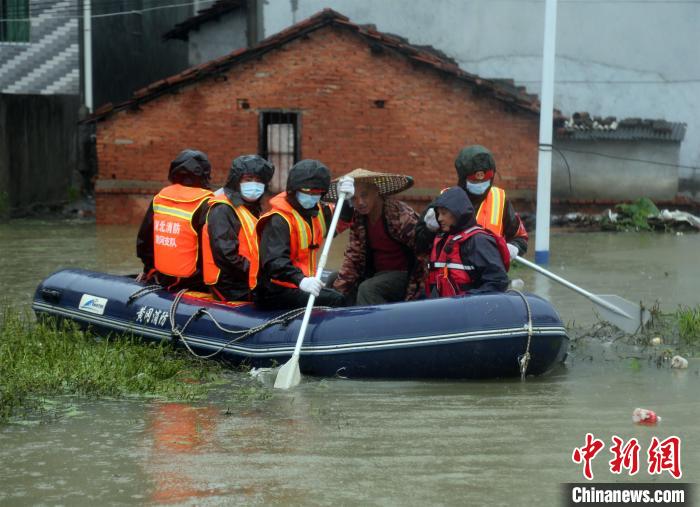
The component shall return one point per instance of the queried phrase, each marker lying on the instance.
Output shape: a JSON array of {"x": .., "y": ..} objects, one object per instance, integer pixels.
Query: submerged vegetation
[
  {"x": 634, "y": 216},
  {"x": 689, "y": 325},
  {"x": 666, "y": 335},
  {"x": 49, "y": 358}
]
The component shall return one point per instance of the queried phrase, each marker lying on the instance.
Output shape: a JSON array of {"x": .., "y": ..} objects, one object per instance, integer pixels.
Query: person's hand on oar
[
  {"x": 311, "y": 285},
  {"x": 289, "y": 374}
]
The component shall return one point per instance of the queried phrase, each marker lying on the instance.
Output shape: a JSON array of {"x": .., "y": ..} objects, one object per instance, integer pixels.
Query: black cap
[
  {"x": 191, "y": 168},
  {"x": 308, "y": 174},
  {"x": 249, "y": 164}
]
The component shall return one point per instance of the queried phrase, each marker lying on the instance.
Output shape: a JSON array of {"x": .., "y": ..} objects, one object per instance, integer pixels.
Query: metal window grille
[
  {"x": 279, "y": 143},
  {"x": 14, "y": 20}
]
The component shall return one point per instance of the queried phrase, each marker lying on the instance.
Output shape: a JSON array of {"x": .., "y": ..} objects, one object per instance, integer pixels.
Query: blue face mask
[
  {"x": 307, "y": 201},
  {"x": 252, "y": 190},
  {"x": 478, "y": 188}
]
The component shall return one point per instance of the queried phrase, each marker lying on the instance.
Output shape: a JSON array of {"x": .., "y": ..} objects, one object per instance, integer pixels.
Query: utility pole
[
  {"x": 544, "y": 166},
  {"x": 87, "y": 53}
]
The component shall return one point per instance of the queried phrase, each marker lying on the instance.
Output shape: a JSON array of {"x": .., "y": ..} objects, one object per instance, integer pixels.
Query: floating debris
[
  {"x": 645, "y": 416},
  {"x": 679, "y": 362}
]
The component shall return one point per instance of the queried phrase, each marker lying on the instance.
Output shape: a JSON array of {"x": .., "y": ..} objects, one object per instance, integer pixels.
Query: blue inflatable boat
[{"x": 466, "y": 337}]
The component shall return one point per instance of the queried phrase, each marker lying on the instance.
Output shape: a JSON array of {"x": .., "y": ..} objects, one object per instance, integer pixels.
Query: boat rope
[
  {"x": 142, "y": 292},
  {"x": 282, "y": 319},
  {"x": 524, "y": 360}
]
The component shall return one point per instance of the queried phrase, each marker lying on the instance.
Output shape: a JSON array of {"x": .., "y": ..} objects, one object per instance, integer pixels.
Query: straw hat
[{"x": 387, "y": 183}]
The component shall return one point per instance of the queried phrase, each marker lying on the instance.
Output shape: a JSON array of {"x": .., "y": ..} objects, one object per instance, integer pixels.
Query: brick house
[{"x": 324, "y": 88}]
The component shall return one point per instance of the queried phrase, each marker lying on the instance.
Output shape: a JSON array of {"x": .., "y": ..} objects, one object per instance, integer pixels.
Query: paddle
[
  {"x": 289, "y": 374},
  {"x": 621, "y": 313}
]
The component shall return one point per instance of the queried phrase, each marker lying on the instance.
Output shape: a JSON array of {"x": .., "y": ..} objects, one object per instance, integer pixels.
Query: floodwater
[{"x": 344, "y": 442}]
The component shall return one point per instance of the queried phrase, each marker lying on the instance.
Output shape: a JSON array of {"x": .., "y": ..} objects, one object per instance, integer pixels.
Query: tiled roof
[
  {"x": 215, "y": 11},
  {"x": 378, "y": 41},
  {"x": 583, "y": 127}
]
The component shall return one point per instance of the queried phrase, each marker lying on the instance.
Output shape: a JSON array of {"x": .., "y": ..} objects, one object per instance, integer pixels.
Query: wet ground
[{"x": 341, "y": 442}]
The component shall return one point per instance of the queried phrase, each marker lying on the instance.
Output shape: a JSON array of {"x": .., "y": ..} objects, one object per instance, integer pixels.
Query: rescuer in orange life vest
[
  {"x": 476, "y": 169},
  {"x": 168, "y": 241},
  {"x": 465, "y": 258},
  {"x": 229, "y": 241},
  {"x": 291, "y": 239}
]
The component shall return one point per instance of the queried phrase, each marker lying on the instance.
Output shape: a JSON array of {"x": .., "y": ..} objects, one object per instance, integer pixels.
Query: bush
[
  {"x": 50, "y": 358},
  {"x": 635, "y": 216}
]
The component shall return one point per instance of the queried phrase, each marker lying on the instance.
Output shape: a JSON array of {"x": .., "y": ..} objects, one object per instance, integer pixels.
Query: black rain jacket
[{"x": 480, "y": 251}]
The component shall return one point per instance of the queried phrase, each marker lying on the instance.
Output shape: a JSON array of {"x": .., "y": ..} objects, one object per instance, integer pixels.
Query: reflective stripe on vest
[
  {"x": 305, "y": 241},
  {"x": 247, "y": 243},
  {"x": 490, "y": 214},
  {"x": 175, "y": 240},
  {"x": 451, "y": 265},
  {"x": 447, "y": 274}
]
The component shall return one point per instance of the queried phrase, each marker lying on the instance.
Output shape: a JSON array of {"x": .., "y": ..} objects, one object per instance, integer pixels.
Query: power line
[
  {"x": 52, "y": 6},
  {"x": 76, "y": 9},
  {"x": 112, "y": 14},
  {"x": 629, "y": 159}
]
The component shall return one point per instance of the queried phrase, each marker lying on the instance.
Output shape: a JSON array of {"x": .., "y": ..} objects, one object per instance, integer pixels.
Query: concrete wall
[
  {"x": 625, "y": 59},
  {"x": 594, "y": 176},
  {"x": 50, "y": 62},
  {"x": 38, "y": 148},
  {"x": 218, "y": 38}
]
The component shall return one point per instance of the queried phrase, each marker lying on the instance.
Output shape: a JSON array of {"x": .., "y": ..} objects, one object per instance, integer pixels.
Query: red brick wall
[{"x": 333, "y": 79}]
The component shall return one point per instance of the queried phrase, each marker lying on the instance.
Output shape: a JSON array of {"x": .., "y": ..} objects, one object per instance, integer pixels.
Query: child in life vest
[{"x": 465, "y": 257}]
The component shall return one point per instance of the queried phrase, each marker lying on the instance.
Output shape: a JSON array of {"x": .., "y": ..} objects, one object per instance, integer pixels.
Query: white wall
[
  {"x": 652, "y": 46},
  {"x": 592, "y": 177}
]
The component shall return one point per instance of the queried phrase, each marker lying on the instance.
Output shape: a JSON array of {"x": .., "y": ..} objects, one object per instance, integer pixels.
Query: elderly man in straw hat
[{"x": 380, "y": 265}]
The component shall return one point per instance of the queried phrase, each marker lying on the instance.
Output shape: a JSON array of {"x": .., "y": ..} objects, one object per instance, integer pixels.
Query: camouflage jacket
[{"x": 400, "y": 223}]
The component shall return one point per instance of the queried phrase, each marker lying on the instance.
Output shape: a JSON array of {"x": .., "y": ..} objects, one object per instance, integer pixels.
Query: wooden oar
[
  {"x": 289, "y": 374},
  {"x": 621, "y": 313}
]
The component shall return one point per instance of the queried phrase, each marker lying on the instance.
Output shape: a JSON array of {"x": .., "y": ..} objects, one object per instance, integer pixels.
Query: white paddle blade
[
  {"x": 636, "y": 319},
  {"x": 289, "y": 374}
]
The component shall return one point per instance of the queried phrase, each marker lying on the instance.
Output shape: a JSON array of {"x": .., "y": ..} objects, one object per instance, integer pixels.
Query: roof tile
[{"x": 328, "y": 17}]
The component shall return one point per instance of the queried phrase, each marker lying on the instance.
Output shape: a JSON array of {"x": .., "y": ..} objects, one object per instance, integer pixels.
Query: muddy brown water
[{"x": 501, "y": 442}]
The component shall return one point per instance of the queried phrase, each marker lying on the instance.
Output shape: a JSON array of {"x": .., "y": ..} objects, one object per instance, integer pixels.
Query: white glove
[
  {"x": 346, "y": 185},
  {"x": 513, "y": 250},
  {"x": 311, "y": 285},
  {"x": 517, "y": 284},
  {"x": 430, "y": 221}
]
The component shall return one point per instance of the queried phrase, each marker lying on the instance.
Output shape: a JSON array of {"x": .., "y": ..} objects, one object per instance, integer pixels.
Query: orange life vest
[
  {"x": 305, "y": 241},
  {"x": 490, "y": 213},
  {"x": 247, "y": 243},
  {"x": 175, "y": 240}
]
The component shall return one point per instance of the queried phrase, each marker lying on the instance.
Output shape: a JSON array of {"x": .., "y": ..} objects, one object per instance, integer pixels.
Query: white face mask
[
  {"x": 252, "y": 190},
  {"x": 307, "y": 201},
  {"x": 478, "y": 188}
]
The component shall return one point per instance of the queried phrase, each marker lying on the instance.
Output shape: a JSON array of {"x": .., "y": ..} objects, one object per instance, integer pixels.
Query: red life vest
[
  {"x": 247, "y": 243},
  {"x": 175, "y": 240},
  {"x": 447, "y": 274},
  {"x": 305, "y": 241}
]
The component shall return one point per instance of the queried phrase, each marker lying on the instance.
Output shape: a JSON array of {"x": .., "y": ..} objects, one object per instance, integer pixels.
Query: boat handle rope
[
  {"x": 244, "y": 333},
  {"x": 524, "y": 360},
  {"x": 142, "y": 292}
]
